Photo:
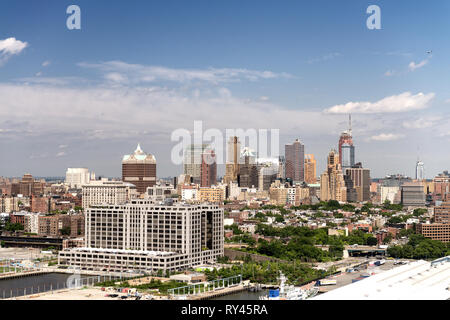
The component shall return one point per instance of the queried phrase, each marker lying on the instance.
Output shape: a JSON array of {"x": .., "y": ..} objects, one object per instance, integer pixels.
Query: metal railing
[
  {"x": 202, "y": 287},
  {"x": 73, "y": 282}
]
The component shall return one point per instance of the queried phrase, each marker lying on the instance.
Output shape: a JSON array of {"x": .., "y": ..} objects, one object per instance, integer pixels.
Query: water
[
  {"x": 33, "y": 284},
  {"x": 244, "y": 295}
]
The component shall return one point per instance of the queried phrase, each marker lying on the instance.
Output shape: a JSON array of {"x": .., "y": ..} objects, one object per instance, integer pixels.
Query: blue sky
[{"x": 137, "y": 70}]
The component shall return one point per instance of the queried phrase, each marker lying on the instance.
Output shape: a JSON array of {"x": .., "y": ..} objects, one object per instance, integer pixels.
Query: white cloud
[
  {"x": 108, "y": 113},
  {"x": 413, "y": 66},
  {"x": 387, "y": 137},
  {"x": 399, "y": 103},
  {"x": 46, "y": 63},
  {"x": 325, "y": 57},
  {"x": 10, "y": 47},
  {"x": 421, "y": 123},
  {"x": 135, "y": 73}
]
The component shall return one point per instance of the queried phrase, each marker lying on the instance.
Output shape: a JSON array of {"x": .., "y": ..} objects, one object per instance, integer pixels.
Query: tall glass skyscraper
[
  {"x": 348, "y": 156},
  {"x": 295, "y": 161},
  {"x": 346, "y": 147},
  {"x": 420, "y": 172}
]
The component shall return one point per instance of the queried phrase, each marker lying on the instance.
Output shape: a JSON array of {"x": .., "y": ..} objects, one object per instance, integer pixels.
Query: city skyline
[{"x": 292, "y": 67}]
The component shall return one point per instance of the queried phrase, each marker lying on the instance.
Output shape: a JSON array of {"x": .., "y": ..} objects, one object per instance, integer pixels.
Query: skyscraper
[
  {"x": 200, "y": 164},
  {"x": 346, "y": 147},
  {"x": 193, "y": 158},
  {"x": 233, "y": 156},
  {"x": 332, "y": 182},
  {"x": 208, "y": 175},
  {"x": 76, "y": 177},
  {"x": 310, "y": 169},
  {"x": 420, "y": 172},
  {"x": 295, "y": 161},
  {"x": 361, "y": 181},
  {"x": 139, "y": 169}
]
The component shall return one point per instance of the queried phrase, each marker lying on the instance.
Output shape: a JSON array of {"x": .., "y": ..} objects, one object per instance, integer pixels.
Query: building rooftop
[
  {"x": 139, "y": 156},
  {"x": 418, "y": 280},
  {"x": 140, "y": 252}
]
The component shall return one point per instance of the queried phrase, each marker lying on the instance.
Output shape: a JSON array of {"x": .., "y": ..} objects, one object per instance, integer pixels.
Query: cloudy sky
[{"x": 138, "y": 70}]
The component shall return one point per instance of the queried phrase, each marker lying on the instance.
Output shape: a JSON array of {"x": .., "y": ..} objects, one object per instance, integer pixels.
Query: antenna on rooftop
[{"x": 350, "y": 124}]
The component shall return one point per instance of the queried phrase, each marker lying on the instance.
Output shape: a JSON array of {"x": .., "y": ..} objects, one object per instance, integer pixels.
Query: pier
[{"x": 219, "y": 293}]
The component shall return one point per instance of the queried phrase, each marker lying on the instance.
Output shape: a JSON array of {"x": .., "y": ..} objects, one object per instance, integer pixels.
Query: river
[
  {"x": 34, "y": 284},
  {"x": 244, "y": 295}
]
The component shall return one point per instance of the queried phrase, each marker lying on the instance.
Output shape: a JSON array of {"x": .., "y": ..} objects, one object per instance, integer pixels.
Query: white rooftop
[
  {"x": 137, "y": 252},
  {"x": 418, "y": 280}
]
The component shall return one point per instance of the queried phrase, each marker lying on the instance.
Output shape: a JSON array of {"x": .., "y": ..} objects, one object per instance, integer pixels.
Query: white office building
[
  {"x": 148, "y": 237},
  {"x": 77, "y": 177},
  {"x": 107, "y": 192}
]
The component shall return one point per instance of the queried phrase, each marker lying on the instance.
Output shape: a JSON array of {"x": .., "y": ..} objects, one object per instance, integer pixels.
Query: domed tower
[{"x": 139, "y": 169}]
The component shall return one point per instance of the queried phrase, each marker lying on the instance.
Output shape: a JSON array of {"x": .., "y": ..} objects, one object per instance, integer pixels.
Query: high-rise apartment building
[
  {"x": 442, "y": 186},
  {"x": 143, "y": 236},
  {"x": 107, "y": 192},
  {"x": 248, "y": 173},
  {"x": 295, "y": 161},
  {"x": 442, "y": 213},
  {"x": 28, "y": 186},
  {"x": 332, "y": 182},
  {"x": 346, "y": 147},
  {"x": 310, "y": 169},
  {"x": 76, "y": 177},
  {"x": 208, "y": 173},
  {"x": 361, "y": 181},
  {"x": 192, "y": 162},
  {"x": 139, "y": 169},
  {"x": 282, "y": 167},
  {"x": 233, "y": 157},
  {"x": 412, "y": 194},
  {"x": 420, "y": 170}
]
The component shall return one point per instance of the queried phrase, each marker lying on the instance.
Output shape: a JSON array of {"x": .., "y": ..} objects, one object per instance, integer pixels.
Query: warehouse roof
[{"x": 418, "y": 280}]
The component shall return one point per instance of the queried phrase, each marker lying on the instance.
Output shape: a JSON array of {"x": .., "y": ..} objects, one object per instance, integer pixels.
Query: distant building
[
  {"x": 248, "y": 173},
  {"x": 435, "y": 231},
  {"x": 310, "y": 169},
  {"x": 146, "y": 237},
  {"x": 28, "y": 186},
  {"x": 159, "y": 192},
  {"x": 139, "y": 169},
  {"x": 442, "y": 213},
  {"x": 233, "y": 157},
  {"x": 346, "y": 148},
  {"x": 420, "y": 171},
  {"x": 295, "y": 161},
  {"x": 40, "y": 204},
  {"x": 442, "y": 186},
  {"x": 282, "y": 167},
  {"x": 332, "y": 182},
  {"x": 208, "y": 173},
  {"x": 211, "y": 194},
  {"x": 107, "y": 192},
  {"x": 412, "y": 194},
  {"x": 76, "y": 177},
  {"x": 361, "y": 181}
]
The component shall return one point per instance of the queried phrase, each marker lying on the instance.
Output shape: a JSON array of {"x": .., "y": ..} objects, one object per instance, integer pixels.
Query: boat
[{"x": 289, "y": 292}]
